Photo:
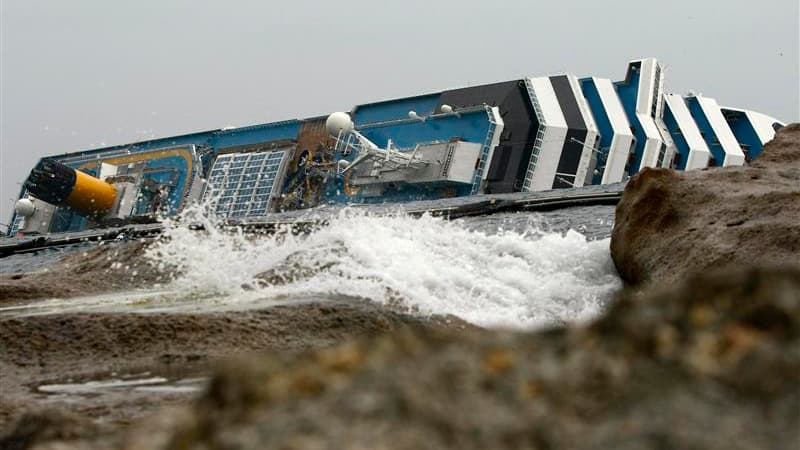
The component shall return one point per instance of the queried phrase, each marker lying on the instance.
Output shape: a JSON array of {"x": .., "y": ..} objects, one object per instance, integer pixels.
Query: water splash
[{"x": 507, "y": 277}]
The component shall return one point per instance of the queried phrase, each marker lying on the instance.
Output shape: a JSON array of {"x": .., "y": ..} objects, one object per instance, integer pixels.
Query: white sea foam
[{"x": 428, "y": 265}]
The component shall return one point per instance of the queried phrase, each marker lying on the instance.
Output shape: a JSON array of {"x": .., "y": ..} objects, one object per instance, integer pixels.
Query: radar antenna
[{"x": 340, "y": 126}]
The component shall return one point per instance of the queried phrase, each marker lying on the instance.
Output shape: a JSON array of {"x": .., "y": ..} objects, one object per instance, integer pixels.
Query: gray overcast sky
[{"x": 89, "y": 73}]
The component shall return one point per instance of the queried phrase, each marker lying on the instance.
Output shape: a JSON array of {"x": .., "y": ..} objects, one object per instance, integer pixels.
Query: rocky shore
[
  {"x": 702, "y": 350},
  {"x": 670, "y": 224},
  {"x": 68, "y": 347},
  {"x": 83, "y": 273},
  {"x": 683, "y": 368}
]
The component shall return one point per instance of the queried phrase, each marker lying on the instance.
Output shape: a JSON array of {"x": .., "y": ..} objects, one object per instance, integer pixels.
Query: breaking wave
[{"x": 427, "y": 265}]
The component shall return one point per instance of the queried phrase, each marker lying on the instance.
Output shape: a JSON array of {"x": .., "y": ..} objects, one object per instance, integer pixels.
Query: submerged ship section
[{"x": 524, "y": 135}]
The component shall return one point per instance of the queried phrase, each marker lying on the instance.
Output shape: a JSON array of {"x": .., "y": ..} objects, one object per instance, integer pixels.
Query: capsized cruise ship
[{"x": 523, "y": 135}]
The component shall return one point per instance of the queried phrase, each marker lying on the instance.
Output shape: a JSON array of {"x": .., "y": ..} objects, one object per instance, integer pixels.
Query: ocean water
[
  {"x": 512, "y": 270},
  {"x": 518, "y": 270}
]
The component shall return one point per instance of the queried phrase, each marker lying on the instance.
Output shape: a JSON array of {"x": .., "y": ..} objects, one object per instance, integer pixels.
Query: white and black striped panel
[
  {"x": 648, "y": 92},
  {"x": 588, "y": 161},
  {"x": 575, "y": 143},
  {"x": 651, "y": 83},
  {"x": 550, "y": 136},
  {"x": 654, "y": 91}
]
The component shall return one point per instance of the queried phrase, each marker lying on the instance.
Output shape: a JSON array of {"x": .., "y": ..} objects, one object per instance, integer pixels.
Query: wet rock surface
[
  {"x": 679, "y": 369},
  {"x": 711, "y": 363},
  {"x": 104, "y": 268},
  {"x": 68, "y": 347},
  {"x": 670, "y": 224}
]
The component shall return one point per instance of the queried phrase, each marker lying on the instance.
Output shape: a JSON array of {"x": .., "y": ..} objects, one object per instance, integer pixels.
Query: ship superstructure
[{"x": 523, "y": 135}]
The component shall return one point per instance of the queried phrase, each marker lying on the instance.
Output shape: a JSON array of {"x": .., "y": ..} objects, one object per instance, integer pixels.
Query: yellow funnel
[
  {"x": 91, "y": 196},
  {"x": 58, "y": 184}
]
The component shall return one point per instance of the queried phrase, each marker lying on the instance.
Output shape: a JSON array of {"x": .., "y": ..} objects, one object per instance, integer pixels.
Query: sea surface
[{"x": 518, "y": 270}]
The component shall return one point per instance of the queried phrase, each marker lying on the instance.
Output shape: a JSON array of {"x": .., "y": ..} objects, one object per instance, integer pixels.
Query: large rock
[
  {"x": 670, "y": 224},
  {"x": 713, "y": 363}
]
